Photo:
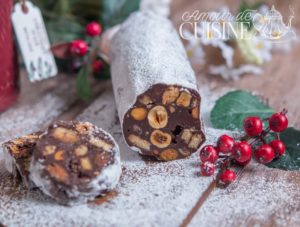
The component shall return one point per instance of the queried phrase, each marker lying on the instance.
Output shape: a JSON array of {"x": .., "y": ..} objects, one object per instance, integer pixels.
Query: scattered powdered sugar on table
[
  {"x": 149, "y": 193},
  {"x": 262, "y": 194},
  {"x": 26, "y": 118},
  {"x": 157, "y": 193}
]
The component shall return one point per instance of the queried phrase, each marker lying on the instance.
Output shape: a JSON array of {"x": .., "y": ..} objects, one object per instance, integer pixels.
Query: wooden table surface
[{"x": 155, "y": 193}]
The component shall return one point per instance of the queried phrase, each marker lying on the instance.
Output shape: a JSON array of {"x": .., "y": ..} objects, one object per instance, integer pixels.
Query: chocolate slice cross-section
[
  {"x": 74, "y": 162},
  {"x": 155, "y": 88},
  {"x": 17, "y": 156}
]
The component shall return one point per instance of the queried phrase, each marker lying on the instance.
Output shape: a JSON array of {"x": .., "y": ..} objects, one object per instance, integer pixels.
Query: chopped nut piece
[
  {"x": 81, "y": 150},
  {"x": 195, "y": 141},
  {"x": 85, "y": 164},
  {"x": 83, "y": 128},
  {"x": 184, "y": 99},
  {"x": 170, "y": 95},
  {"x": 59, "y": 155},
  {"x": 160, "y": 139},
  {"x": 100, "y": 143},
  {"x": 168, "y": 155},
  {"x": 137, "y": 141},
  {"x": 172, "y": 109},
  {"x": 195, "y": 113},
  {"x": 58, "y": 172},
  {"x": 65, "y": 135},
  {"x": 102, "y": 159},
  {"x": 158, "y": 117},
  {"x": 186, "y": 135},
  {"x": 184, "y": 152},
  {"x": 50, "y": 149},
  {"x": 145, "y": 100},
  {"x": 139, "y": 113}
]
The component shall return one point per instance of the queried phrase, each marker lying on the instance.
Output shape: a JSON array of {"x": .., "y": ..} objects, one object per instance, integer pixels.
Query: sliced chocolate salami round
[
  {"x": 74, "y": 162},
  {"x": 155, "y": 88}
]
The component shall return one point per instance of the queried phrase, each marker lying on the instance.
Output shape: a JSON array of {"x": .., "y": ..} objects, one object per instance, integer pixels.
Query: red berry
[
  {"x": 97, "y": 66},
  {"x": 209, "y": 154},
  {"x": 243, "y": 163},
  {"x": 207, "y": 168},
  {"x": 278, "y": 147},
  {"x": 79, "y": 47},
  {"x": 278, "y": 122},
  {"x": 242, "y": 151},
  {"x": 264, "y": 154},
  {"x": 225, "y": 144},
  {"x": 227, "y": 176},
  {"x": 253, "y": 126},
  {"x": 93, "y": 29}
]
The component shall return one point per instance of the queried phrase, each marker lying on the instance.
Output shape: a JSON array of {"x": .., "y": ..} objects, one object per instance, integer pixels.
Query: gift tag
[{"x": 33, "y": 41}]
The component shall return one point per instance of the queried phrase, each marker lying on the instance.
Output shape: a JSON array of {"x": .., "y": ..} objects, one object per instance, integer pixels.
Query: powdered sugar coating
[
  {"x": 106, "y": 180},
  {"x": 146, "y": 51}
]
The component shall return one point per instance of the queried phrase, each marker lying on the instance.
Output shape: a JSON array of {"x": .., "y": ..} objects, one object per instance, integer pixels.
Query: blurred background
[{"x": 278, "y": 81}]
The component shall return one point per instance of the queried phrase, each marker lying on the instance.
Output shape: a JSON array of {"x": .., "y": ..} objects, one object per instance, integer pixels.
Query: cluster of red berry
[
  {"x": 79, "y": 47},
  {"x": 229, "y": 151}
]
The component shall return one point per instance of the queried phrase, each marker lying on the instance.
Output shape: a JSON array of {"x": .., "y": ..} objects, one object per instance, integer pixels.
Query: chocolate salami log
[
  {"x": 74, "y": 162},
  {"x": 17, "y": 156},
  {"x": 155, "y": 88}
]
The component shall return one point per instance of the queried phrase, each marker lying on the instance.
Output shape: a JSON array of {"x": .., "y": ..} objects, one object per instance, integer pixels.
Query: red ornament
[
  {"x": 225, "y": 144},
  {"x": 227, "y": 176},
  {"x": 207, "y": 169},
  {"x": 253, "y": 126},
  {"x": 264, "y": 154},
  {"x": 278, "y": 122},
  {"x": 79, "y": 47},
  {"x": 278, "y": 147},
  {"x": 98, "y": 66},
  {"x": 242, "y": 151},
  {"x": 93, "y": 29},
  {"x": 208, "y": 154}
]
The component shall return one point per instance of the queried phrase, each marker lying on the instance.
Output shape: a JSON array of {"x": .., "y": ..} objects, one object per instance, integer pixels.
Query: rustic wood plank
[{"x": 38, "y": 105}]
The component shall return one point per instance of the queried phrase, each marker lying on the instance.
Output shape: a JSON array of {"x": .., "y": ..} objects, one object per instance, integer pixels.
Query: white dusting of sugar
[
  {"x": 30, "y": 117},
  {"x": 145, "y": 51},
  {"x": 149, "y": 194},
  {"x": 261, "y": 196}
]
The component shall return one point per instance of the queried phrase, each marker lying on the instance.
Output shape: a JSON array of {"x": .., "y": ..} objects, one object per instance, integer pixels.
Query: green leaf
[
  {"x": 291, "y": 159},
  {"x": 63, "y": 30},
  {"x": 231, "y": 109},
  {"x": 116, "y": 11},
  {"x": 83, "y": 86}
]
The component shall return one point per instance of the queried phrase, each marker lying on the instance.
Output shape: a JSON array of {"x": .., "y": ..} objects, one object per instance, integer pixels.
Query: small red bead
[
  {"x": 207, "y": 169},
  {"x": 79, "y": 47},
  {"x": 225, "y": 144},
  {"x": 264, "y": 154},
  {"x": 278, "y": 122},
  {"x": 93, "y": 29},
  {"x": 98, "y": 66},
  {"x": 209, "y": 154},
  {"x": 242, "y": 151},
  {"x": 278, "y": 147},
  {"x": 227, "y": 176},
  {"x": 253, "y": 126}
]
